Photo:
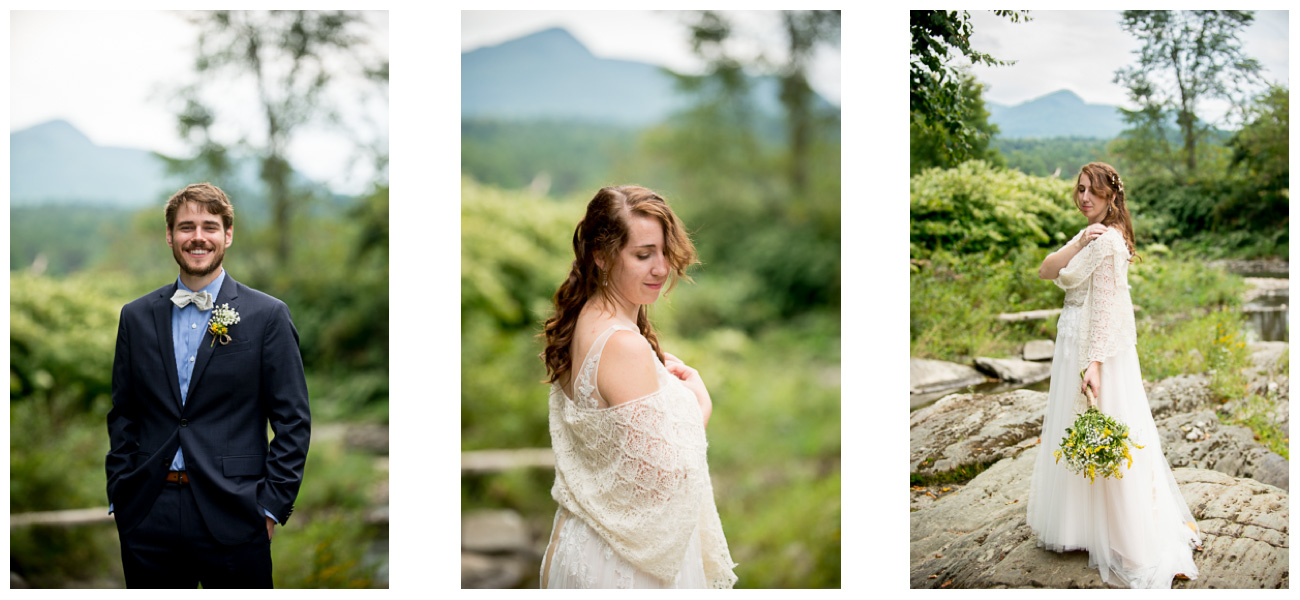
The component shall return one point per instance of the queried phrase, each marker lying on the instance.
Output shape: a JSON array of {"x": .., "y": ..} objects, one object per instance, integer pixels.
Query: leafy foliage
[
  {"x": 931, "y": 144},
  {"x": 1261, "y": 164},
  {"x": 937, "y": 98},
  {"x": 976, "y": 208}
]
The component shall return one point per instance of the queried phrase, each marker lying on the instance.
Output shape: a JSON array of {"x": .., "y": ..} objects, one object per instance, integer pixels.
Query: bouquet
[{"x": 1096, "y": 445}]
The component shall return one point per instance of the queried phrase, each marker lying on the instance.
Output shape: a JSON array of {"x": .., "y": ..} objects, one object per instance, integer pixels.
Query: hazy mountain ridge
[
  {"x": 1058, "y": 114},
  {"x": 551, "y": 75},
  {"x": 55, "y": 162}
]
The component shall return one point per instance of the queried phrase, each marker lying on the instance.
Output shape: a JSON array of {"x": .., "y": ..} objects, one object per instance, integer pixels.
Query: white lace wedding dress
[
  {"x": 1137, "y": 530},
  {"x": 636, "y": 501}
]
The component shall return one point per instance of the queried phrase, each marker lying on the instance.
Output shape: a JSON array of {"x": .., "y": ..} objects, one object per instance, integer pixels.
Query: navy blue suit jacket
[{"x": 235, "y": 391}]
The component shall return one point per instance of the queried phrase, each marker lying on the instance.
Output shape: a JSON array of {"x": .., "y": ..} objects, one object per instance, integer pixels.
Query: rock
[
  {"x": 1244, "y": 530},
  {"x": 969, "y": 429},
  {"x": 1201, "y": 441},
  {"x": 1260, "y": 287},
  {"x": 494, "y": 531},
  {"x": 1251, "y": 266},
  {"x": 978, "y": 538},
  {"x": 1265, "y": 355},
  {"x": 1039, "y": 350},
  {"x": 480, "y": 571},
  {"x": 369, "y": 437},
  {"x": 1179, "y": 394},
  {"x": 1014, "y": 370},
  {"x": 935, "y": 375}
]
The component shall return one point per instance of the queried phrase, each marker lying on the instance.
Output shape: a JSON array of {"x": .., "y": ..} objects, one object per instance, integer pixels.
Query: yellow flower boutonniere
[{"x": 220, "y": 322}]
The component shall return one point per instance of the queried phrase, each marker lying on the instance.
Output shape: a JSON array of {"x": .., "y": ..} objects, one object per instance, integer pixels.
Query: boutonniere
[{"x": 220, "y": 322}]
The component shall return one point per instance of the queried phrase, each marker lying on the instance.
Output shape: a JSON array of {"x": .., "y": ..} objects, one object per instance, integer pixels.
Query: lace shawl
[
  {"x": 637, "y": 474},
  {"x": 1097, "y": 280}
]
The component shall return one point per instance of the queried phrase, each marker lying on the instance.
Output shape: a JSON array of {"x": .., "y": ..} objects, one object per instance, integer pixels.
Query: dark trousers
[{"x": 172, "y": 548}]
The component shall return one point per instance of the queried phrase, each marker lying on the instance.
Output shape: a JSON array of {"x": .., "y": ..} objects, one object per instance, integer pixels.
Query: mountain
[
  {"x": 1058, "y": 114},
  {"x": 551, "y": 75},
  {"x": 54, "y": 162}
]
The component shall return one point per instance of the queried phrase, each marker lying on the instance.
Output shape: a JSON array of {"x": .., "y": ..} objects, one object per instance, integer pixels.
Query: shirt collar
[{"x": 213, "y": 288}]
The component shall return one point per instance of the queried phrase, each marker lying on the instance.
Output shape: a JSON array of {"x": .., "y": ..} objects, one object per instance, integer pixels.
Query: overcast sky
[
  {"x": 655, "y": 37},
  {"x": 111, "y": 74},
  {"x": 1081, "y": 50}
]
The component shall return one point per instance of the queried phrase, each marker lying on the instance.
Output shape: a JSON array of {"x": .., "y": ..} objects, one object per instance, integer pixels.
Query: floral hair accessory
[
  {"x": 220, "y": 322},
  {"x": 1116, "y": 182}
]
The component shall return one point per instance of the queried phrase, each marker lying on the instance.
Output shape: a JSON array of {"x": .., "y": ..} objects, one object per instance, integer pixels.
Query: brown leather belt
[{"x": 178, "y": 477}]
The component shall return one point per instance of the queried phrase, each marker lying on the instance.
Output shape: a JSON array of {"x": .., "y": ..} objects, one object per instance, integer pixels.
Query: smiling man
[{"x": 202, "y": 366}]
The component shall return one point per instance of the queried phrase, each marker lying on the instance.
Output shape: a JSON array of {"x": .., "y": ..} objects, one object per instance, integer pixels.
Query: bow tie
[{"x": 202, "y": 300}]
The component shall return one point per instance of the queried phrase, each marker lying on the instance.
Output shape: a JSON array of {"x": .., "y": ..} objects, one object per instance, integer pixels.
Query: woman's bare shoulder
[{"x": 627, "y": 368}]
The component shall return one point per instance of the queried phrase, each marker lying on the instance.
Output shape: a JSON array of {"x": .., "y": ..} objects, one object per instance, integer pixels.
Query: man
[{"x": 201, "y": 366}]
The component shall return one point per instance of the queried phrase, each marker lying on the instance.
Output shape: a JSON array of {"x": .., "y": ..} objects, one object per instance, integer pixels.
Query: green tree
[
  {"x": 931, "y": 142},
  {"x": 1261, "y": 165},
  {"x": 805, "y": 31},
  {"x": 1186, "y": 57},
  {"x": 1261, "y": 148},
  {"x": 292, "y": 58},
  {"x": 937, "y": 97}
]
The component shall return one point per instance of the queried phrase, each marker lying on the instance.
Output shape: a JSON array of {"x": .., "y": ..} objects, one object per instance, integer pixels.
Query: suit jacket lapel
[
  {"x": 229, "y": 292},
  {"x": 162, "y": 318}
]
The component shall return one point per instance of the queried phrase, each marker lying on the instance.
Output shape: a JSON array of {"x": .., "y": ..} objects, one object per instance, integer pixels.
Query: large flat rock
[
  {"x": 1201, "y": 441},
  {"x": 1039, "y": 350},
  {"x": 968, "y": 429},
  {"x": 1014, "y": 369},
  {"x": 1179, "y": 394},
  {"x": 977, "y": 537},
  {"x": 1265, "y": 355},
  {"x": 935, "y": 375}
]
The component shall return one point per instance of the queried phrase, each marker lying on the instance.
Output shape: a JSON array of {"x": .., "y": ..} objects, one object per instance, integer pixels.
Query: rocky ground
[
  {"x": 972, "y": 534},
  {"x": 976, "y": 537}
]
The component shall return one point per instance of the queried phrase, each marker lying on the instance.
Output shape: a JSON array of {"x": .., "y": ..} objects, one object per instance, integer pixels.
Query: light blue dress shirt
[{"x": 188, "y": 326}]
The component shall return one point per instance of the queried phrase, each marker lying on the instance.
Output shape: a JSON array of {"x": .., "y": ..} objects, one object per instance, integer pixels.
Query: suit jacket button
[{"x": 185, "y": 423}]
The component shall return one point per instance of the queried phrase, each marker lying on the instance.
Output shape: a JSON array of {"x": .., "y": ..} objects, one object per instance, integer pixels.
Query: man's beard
[{"x": 217, "y": 253}]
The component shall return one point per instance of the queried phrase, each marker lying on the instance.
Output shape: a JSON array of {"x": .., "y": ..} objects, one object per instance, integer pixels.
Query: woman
[
  {"x": 1137, "y": 530},
  {"x": 627, "y": 419}
]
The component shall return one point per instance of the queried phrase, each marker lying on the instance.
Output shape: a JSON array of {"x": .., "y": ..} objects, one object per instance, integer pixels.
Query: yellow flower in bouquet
[{"x": 1096, "y": 444}]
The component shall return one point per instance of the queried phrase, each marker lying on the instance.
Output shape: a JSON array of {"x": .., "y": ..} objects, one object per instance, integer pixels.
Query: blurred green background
[
  {"x": 76, "y": 260},
  {"x": 759, "y": 189}
]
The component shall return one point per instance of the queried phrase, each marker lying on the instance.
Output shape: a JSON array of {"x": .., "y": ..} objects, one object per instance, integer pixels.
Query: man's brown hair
[{"x": 209, "y": 196}]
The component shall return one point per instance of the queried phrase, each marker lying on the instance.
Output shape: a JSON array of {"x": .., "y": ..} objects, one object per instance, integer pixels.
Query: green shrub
[{"x": 975, "y": 208}]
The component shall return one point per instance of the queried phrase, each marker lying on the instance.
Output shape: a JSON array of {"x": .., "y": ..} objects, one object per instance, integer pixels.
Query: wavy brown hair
[
  {"x": 602, "y": 234},
  {"x": 1107, "y": 185}
]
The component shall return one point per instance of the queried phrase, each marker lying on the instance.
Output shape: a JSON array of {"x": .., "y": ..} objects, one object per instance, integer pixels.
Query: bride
[
  {"x": 627, "y": 419},
  {"x": 1137, "y": 530}
]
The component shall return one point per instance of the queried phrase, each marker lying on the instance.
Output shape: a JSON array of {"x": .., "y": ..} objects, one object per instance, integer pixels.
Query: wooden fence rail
[
  {"x": 487, "y": 461},
  {"x": 62, "y": 518}
]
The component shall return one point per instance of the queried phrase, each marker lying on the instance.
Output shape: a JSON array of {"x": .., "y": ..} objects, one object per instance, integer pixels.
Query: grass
[
  {"x": 1255, "y": 412},
  {"x": 960, "y": 474},
  {"x": 955, "y": 302}
]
